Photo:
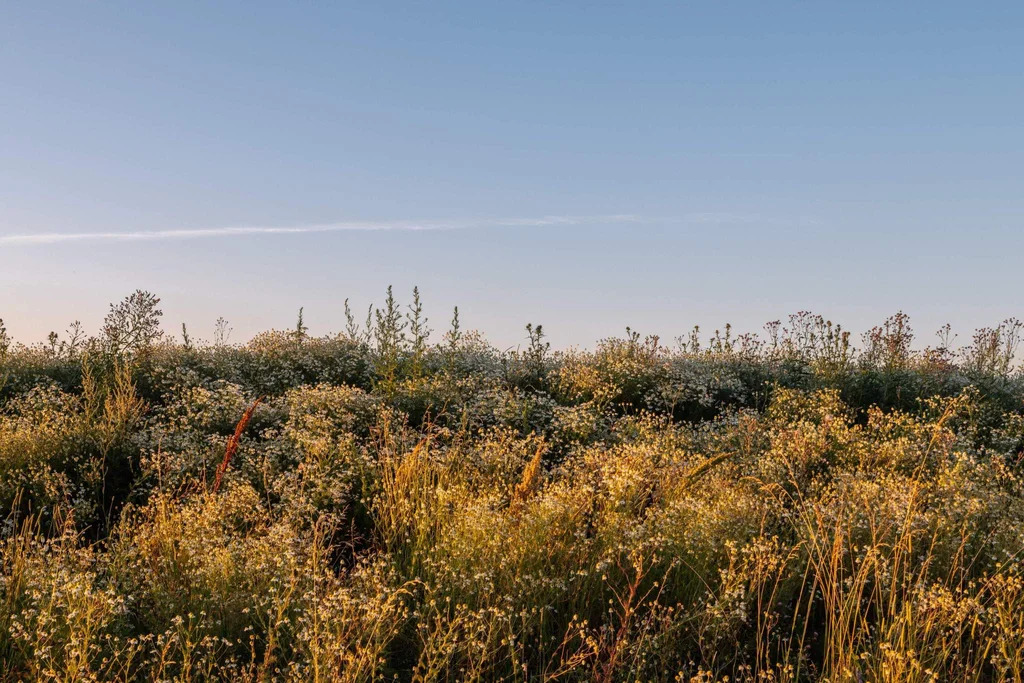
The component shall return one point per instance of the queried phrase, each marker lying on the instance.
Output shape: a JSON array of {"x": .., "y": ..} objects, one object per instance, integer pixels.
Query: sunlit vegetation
[{"x": 393, "y": 502}]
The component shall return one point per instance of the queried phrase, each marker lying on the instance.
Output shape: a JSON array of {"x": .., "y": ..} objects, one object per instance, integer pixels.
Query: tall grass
[{"x": 778, "y": 509}]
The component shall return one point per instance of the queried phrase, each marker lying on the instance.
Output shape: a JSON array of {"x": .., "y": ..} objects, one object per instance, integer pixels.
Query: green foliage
[{"x": 133, "y": 325}]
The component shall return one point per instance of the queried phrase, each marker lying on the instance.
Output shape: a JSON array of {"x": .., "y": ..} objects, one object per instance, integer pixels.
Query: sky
[{"x": 585, "y": 166}]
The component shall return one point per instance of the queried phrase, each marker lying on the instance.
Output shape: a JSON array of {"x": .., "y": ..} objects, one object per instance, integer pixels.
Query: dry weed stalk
[{"x": 233, "y": 442}]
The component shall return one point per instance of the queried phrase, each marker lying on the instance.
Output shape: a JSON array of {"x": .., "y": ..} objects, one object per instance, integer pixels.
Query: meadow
[{"x": 392, "y": 502}]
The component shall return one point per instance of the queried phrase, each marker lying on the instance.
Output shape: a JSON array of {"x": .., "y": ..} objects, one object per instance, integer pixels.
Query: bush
[{"x": 764, "y": 510}]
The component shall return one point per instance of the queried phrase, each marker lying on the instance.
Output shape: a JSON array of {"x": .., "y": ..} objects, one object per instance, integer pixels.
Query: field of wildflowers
[{"x": 387, "y": 503}]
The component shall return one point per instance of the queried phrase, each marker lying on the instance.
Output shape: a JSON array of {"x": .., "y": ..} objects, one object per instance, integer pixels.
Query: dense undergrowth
[{"x": 779, "y": 508}]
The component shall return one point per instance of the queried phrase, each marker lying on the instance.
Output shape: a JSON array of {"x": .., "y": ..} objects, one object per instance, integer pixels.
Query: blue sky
[{"x": 586, "y": 166}]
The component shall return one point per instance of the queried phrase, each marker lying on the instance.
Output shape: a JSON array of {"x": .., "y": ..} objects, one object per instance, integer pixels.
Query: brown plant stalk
[{"x": 233, "y": 442}]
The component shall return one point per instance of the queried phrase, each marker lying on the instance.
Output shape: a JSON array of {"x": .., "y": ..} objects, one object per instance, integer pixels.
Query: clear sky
[{"x": 586, "y": 166}]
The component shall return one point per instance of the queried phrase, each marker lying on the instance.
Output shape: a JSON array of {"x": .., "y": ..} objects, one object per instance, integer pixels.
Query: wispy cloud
[
  {"x": 690, "y": 219},
  {"x": 410, "y": 226}
]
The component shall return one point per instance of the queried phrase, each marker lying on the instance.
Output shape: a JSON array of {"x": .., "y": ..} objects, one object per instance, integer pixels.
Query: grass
[{"x": 777, "y": 509}]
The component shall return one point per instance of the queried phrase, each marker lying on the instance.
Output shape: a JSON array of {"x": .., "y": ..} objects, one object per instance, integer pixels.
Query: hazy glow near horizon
[{"x": 585, "y": 167}]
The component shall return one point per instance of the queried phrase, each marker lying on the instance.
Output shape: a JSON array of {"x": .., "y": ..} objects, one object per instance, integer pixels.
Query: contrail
[{"x": 410, "y": 226}]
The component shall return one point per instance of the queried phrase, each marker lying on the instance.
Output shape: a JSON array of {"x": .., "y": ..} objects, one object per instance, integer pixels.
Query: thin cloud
[
  {"x": 692, "y": 219},
  {"x": 713, "y": 218},
  {"x": 408, "y": 226}
]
